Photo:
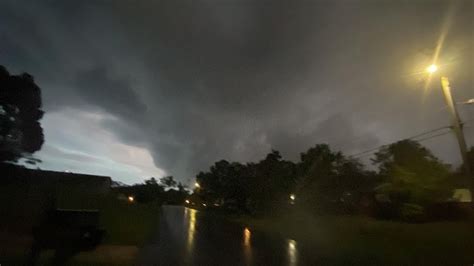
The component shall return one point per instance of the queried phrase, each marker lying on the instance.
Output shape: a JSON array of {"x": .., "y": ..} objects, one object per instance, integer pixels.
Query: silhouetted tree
[
  {"x": 168, "y": 181},
  {"x": 272, "y": 184},
  {"x": 151, "y": 181},
  {"x": 318, "y": 171},
  {"x": 226, "y": 183},
  {"x": 182, "y": 188},
  {"x": 413, "y": 177},
  {"x": 176, "y": 196},
  {"x": 20, "y": 111},
  {"x": 328, "y": 181},
  {"x": 147, "y": 192},
  {"x": 256, "y": 188}
]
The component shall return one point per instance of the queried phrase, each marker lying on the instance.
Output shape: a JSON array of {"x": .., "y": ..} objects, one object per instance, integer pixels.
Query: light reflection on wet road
[{"x": 189, "y": 237}]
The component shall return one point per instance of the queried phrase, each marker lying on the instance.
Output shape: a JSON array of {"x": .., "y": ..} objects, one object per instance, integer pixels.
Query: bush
[{"x": 412, "y": 212}]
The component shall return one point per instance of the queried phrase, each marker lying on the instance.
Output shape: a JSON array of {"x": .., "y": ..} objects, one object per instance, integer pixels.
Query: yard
[
  {"x": 128, "y": 226},
  {"x": 357, "y": 240}
]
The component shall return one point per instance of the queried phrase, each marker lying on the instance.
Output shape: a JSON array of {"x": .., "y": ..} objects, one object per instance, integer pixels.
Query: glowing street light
[
  {"x": 131, "y": 199},
  {"x": 432, "y": 68},
  {"x": 187, "y": 201},
  {"x": 197, "y": 185},
  {"x": 292, "y": 199}
]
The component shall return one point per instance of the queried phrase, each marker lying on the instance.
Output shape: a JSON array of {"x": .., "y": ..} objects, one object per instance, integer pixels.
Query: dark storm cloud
[
  {"x": 96, "y": 87},
  {"x": 336, "y": 130},
  {"x": 198, "y": 81}
]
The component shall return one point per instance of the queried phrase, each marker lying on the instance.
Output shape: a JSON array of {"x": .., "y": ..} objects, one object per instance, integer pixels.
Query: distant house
[
  {"x": 25, "y": 194},
  {"x": 53, "y": 180}
]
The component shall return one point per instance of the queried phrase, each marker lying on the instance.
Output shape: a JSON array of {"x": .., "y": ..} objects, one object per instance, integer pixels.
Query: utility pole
[{"x": 458, "y": 130}]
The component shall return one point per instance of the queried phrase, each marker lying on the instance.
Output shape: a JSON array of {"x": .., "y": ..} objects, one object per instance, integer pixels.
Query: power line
[
  {"x": 434, "y": 136},
  {"x": 367, "y": 151},
  {"x": 412, "y": 137},
  {"x": 428, "y": 132}
]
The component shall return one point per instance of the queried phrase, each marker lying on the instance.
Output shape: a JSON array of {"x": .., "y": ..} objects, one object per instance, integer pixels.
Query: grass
[
  {"x": 128, "y": 227},
  {"x": 128, "y": 224},
  {"x": 357, "y": 240}
]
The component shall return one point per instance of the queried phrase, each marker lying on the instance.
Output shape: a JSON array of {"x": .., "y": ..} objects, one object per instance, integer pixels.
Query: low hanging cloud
[{"x": 194, "y": 83}]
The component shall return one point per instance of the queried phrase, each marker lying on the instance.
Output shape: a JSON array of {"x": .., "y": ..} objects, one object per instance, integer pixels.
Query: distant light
[
  {"x": 462, "y": 195},
  {"x": 292, "y": 196},
  {"x": 432, "y": 68},
  {"x": 197, "y": 185},
  {"x": 247, "y": 235},
  {"x": 470, "y": 101},
  {"x": 216, "y": 204},
  {"x": 292, "y": 244},
  {"x": 187, "y": 201},
  {"x": 204, "y": 204},
  {"x": 292, "y": 252},
  {"x": 131, "y": 199}
]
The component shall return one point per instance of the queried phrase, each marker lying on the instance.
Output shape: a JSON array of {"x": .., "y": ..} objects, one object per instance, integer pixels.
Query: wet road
[{"x": 189, "y": 237}]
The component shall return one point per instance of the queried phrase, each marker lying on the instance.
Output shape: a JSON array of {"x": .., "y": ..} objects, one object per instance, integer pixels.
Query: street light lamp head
[
  {"x": 432, "y": 68},
  {"x": 197, "y": 185}
]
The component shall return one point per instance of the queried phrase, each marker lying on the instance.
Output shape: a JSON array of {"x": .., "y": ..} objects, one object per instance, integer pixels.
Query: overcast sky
[{"x": 134, "y": 89}]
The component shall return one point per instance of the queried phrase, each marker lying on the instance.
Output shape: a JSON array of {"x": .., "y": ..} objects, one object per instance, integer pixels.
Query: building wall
[{"x": 26, "y": 194}]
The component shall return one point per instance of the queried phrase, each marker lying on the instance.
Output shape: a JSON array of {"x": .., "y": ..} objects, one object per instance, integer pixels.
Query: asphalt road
[{"x": 190, "y": 237}]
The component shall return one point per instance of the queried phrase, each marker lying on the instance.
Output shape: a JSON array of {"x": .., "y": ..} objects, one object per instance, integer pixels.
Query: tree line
[
  {"x": 407, "y": 180},
  {"x": 165, "y": 190}
]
